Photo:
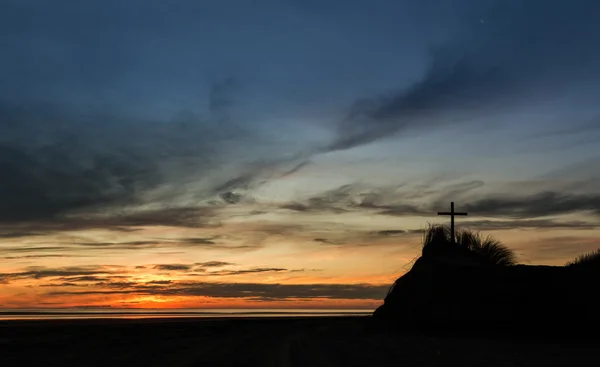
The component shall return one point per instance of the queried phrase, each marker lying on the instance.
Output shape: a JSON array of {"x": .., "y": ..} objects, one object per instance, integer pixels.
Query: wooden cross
[{"x": 451, "y": 213}]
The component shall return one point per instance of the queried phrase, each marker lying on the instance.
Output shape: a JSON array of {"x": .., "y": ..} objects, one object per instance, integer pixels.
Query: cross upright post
[{"x": 451, "y": 213}]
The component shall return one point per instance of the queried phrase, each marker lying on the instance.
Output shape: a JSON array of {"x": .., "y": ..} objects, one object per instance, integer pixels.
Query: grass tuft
[
  {"x": 590, "y": 259},
  {"x": 438, "y": 241}
]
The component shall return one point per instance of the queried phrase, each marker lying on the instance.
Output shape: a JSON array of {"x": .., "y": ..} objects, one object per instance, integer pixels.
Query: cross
[{"x": 451, "y": 213}]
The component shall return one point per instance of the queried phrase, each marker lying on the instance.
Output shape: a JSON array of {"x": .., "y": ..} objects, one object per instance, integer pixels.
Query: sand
[{"x": 306, "y": 341}]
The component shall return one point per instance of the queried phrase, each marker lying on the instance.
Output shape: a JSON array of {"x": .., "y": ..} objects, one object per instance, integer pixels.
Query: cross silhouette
[{"x": 451, "y": 213}]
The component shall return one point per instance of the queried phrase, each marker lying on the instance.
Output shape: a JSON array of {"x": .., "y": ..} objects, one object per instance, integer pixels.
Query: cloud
[
  {"x": 427, "y": 200},
  {"x": 60, "y": 285},
  {"x": 197, "y": 241},
  {"x": 503, "y": 210},
  {"x": 18, "y": 234},
  {"x": 214, "y": 264},
  {"x": 28, "y": 249},
  {"x": 529, "y": 224},
  {"x": 296, "y": 168},
  {"x": 187, "y": 217},
  {"x": 352, "y": 197},
  {"x": 90, "y": 249},
  {"x": 65, "y": 168},
  {"x": 117, "y": 280},
  {"x": 43, "y": 272},
  {"x": 391, "y": 200},
  {"x": 121, "y": 276},
  {"x": 391, "y": 232},
  {"x": 447, "y": 85},
  {"x": 249, "y": 271},
  {"x": 523, "y": 49},
  {"x": 40, "y": 256},
  {"x": 328, "y": 241},
  {"x": 88, "y": 278},
  {"x": 245, "y": 290},
  {"x": 170, "y": 267},
  {"x": 538, "y": 205}
]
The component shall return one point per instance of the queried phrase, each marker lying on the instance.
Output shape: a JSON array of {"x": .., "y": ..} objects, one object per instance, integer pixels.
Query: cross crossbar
[{"x": 451, "y": 213}]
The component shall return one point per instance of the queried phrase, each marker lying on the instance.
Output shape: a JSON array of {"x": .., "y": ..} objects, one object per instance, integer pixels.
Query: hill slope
[{"x": 448, "y": 290}]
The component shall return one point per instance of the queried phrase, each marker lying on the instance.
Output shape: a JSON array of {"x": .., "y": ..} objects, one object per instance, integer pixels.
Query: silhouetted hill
[{"x": 451, "y": 289}]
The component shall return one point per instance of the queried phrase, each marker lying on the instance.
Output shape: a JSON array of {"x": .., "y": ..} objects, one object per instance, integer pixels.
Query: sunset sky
[{"x": 285, "y": 153}]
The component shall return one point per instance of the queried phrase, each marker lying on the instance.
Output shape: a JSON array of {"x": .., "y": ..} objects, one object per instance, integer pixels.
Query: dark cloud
[
  {"x": 231, "y": 197},
  {"x": 160, "y": 282},
  {"x": 42, "y": 272},
  {"x": 40, "y": 256},
  {"x": 28, "y": 248},
  {"x": 338, "y": 200},
  {"x": 214, "y": 264},
  {"x": 124, "y": 229},
  {"x": 402, "y": 210},
  {"x": 86, "y": 169},
  {"x": 327, "y": 241},
  {"x": 189, "y": 217},
  {"x": 82, "y": 249},
  {"x": 173, "y": 267},
  {"x": 18, "y": 234},
  {"x": 356, "y": 197},
  {"x": 248, "y": 271},
  {"x": 198, "y": 241},
  {"x": 245, "y": 290},
  {"x": 43, "y": 183},
  {"x": 192, "y": 217},
  {"x": 508, "y": 50},
  {"x": 537, "y": 205},
  {"x": 448, "y": 84},
  {"x": 207, "y": 243},
  {"x": 428, "y": 200},
  {"x": 296, "y": 168},
  {"x": 528, "y": 224},
  {"x": 87, "y": 278},
  {"x": 120, "y": 245},
  {"x": 60, "y": 285},
  {"x": 391, "y": 232},
  {"x": 116, "y": 277}
]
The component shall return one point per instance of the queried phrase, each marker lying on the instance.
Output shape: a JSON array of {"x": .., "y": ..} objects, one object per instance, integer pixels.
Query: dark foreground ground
[{"x": 317, "y": 341}]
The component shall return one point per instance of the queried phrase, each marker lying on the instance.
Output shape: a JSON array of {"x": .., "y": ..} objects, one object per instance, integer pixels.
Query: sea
[{"x": 112, "y": 313}]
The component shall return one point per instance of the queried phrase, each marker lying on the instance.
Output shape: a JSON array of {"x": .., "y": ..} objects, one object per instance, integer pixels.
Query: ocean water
[{"x": 112, "y": 313}]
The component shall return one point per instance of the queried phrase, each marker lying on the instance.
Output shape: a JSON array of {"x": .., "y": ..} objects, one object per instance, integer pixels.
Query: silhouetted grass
[
  {"x": 590, "y": 259},
  {"x": 438, "y": 241}
]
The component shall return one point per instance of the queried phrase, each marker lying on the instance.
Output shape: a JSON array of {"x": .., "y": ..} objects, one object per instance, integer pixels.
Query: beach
[{"x": 265, "y": 341}]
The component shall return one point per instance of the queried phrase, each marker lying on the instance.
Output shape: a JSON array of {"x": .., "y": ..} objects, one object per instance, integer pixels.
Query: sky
[{"x": 285, "y": 153}]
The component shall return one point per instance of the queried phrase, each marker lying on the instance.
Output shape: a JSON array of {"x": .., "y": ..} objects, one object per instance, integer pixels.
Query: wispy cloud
[
  {"x": 538, "y": 205},
  {"x": 486, "y": 225},
  {"x": 90, "y": 175},
  {"x": 248, "y": 271},
  {"x": 43, "y": 272},
  {"x": 510, "y": 50},
  {"x": 40, "y": 256},
  {"x": 410, "y": 201},
  {"x": 214, "y": 264},
  {"x": 169, "y": 267},
  {"x": 243, "y": 290},
  {"x": 391, "y": 232}
]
